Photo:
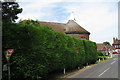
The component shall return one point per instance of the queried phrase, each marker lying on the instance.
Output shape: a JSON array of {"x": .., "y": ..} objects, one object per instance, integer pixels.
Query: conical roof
[{"x": 73, "y": 28}]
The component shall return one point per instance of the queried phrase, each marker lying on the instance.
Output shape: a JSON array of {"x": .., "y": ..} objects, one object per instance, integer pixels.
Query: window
[
  {"x": 83, "y": 37},
  {"x": 117, "y": 46}
]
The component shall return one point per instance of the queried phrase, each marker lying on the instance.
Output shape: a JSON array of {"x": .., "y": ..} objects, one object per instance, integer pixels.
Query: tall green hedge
[
  {"x": 39, "y": 51},
  {"x": 91, "y": 51}
]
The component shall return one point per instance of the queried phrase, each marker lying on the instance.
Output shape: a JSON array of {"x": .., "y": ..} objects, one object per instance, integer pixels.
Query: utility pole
[{"x": 8, "y": 70}]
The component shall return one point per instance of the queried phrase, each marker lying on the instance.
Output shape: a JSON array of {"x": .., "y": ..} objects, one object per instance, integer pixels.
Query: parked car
[{"x": 114, "y": 52}]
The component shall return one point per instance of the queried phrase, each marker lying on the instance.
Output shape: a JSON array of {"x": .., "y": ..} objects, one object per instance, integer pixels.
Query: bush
[
  {"x": 91, "y": 51},
  {"x": 39, "y": 51},
  {"x": 101, "y": 57},
  {"x": 100, "y": 54}
]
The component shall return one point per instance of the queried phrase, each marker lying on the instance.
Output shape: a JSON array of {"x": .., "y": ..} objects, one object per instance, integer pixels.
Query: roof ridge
[{"x": 51, "y": 22}]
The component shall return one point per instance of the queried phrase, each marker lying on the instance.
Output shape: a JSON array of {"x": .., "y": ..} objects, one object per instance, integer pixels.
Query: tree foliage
[
  {"x": 106, "y": 43},
  {"x": 10, "y": 11}
]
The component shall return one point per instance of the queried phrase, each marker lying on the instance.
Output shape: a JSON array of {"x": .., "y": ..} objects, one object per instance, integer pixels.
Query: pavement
[{"x": 107, "y": 69}]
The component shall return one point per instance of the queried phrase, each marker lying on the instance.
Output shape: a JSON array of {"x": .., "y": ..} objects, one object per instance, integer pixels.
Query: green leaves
[
  {"x": 107, "y": 43},
  {"x": 40, "y": 50},
  {"x": 90, "y": 51},
  {"x": 10, "y": 11}
]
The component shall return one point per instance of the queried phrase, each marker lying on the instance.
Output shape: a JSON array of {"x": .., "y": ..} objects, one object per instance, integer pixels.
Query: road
[{"x": 107, "y": 69}]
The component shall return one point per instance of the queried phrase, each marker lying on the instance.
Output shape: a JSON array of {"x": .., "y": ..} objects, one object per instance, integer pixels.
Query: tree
[
  {"x": 10, "y": 11},
  {"x": 106, "y": 43}
]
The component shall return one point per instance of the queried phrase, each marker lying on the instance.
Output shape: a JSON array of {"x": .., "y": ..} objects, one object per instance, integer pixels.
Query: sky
[{"x": 99, "y": 17}]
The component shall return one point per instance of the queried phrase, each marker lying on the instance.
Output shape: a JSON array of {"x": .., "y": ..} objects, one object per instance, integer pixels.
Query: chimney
[
  {"x": 116, "y": 40},
  {"x": 113, "y": 40}
]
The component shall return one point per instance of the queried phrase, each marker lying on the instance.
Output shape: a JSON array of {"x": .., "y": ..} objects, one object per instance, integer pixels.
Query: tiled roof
[
  {"x": 100, "y": 46},
  {"x": 116, "y": 41},
  {"x": 59, "y": 27},
  {"x": 107, "y": 46},
  {"x": 112, "y": 47},
  {"x": 73, "y": 27},
  {"x": 70, "y": 27}
]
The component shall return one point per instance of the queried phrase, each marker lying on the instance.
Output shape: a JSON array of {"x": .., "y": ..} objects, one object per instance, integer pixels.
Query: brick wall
[{"x": 80, "y": 36}]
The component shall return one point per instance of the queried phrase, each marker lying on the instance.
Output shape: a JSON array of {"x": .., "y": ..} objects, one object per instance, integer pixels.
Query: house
[
  {"x": 70, "y": 28},
  {"x": 116, "y": 44},
  {"x": 101, "y": 47},
  {"x": 104, "y": 48},
  {"x": 75, "y": 30}
]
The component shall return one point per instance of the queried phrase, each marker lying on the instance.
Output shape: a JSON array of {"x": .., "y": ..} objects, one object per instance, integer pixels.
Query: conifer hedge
[{"x": 39, "y": 51}]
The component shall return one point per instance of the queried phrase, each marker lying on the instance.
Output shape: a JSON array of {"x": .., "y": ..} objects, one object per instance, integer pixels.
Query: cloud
[
  {"x": 37, "y": 1},
  {"x": 33, "y": 9},
  {"x": 91, "y": 0},
  {"x": 96, "y": 18}
]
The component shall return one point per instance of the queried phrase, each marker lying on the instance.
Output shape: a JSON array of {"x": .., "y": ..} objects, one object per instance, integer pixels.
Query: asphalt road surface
[{"x": 107, "y": 69}]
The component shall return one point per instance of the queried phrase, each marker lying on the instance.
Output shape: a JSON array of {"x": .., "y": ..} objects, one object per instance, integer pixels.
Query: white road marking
[
  {"x": 104, "y": 71},
  {"x": 115, "y": 59},
  {"x": 113, "y": 62}
]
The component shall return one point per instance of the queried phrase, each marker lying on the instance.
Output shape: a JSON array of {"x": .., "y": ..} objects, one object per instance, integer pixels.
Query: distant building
[
  {"x": 104, "y": 48},
  {"x": 116, "y": 44},
  {"x": 70, "y": 28},
  {"x": 101, "y": 47}
]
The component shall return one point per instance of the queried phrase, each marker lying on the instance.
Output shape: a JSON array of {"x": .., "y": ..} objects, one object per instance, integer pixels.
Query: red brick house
[
  {"x": 116, "y": 44},
  {"x": 101, "y": 47}
]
